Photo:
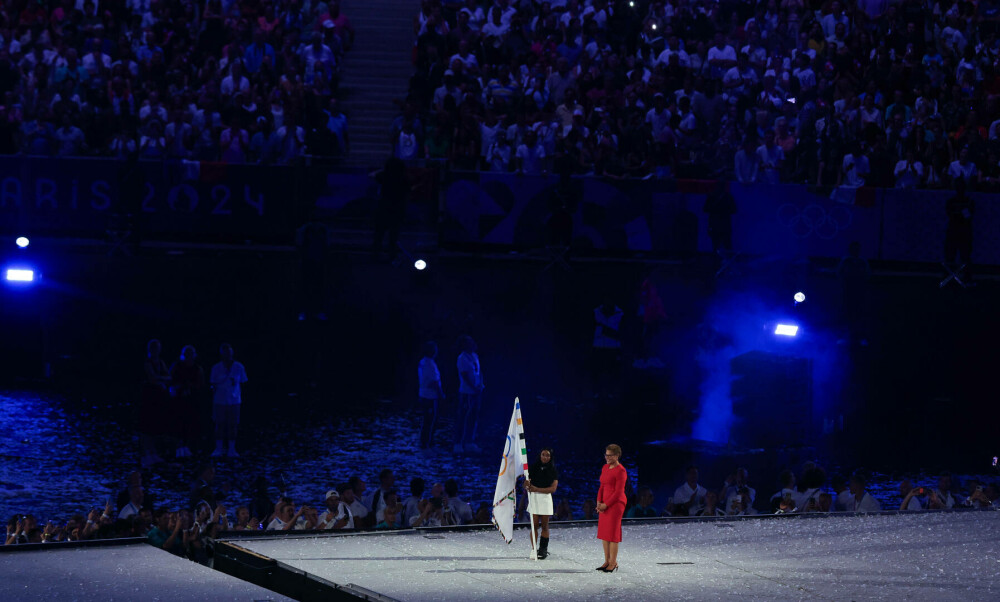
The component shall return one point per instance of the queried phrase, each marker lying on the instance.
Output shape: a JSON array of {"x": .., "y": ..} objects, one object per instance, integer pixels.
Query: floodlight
[
  {"x": 787, "y": 330},
  {"x": 20, "y": 275}
]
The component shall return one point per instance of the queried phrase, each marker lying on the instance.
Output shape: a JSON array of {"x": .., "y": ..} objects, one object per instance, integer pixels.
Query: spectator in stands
[
  {"x": 499, "y": 154},
  {"x": 530, "y": 155},
  {"x": 265, "y": 146},
  {"x": 374, "y": 500},
  {"x": 259, "y": 52},
  {"x": 854, "y": 168},
  {"x": 431, "y": 514},
  {"x": 125, "y": 495},
  {"x": 741, "y": 504},
  {"x": 152, "y": 144},
  {"x": 336, "y": 126},
  {"x": 261, "y": 506},
  {"x": 292, "y": 138},
  {"x": 589, "y": 509},
  {"x": 166, "y": 534},
  {"x": 563, "y": 511},
  {"x": 69, "y": 138},
  {"x": 914, "y": 498},
  {"x": 963, "y": 168},
  {"x": 201, "y": 488},
  {"x": 909, "y": 171},
  {"x": 770, "y": 158},
  {"x": 411, "y": 506},
  {"x": 234, "y": 142},
  {"x": 784, "y": 500},
  {"x": 337, "y": 515},
  {"x": 134, "y": 505},
  {"x": 461, "y": 509},
  {"x": 288, "y": 518},
  {"x": 690, "y": 496},
  {"x": 813, "y": 479},
  {"x": 992, "y": 495},
  {"x": 711, "y": 507},
  {"x": 747, "y": 163},
  {"x": 734, "y": 483},
  {"x": 391, "y": 514},
  {"x": 861, "y": 500},
  {"x": 483, "y": 514},
  {"x": 943, "y": 493},
  {"x": 358, "y": 510},
  {"x": 644, "y": 509},
  {"x": 178, "y": 136},
  {"x": 244, "y": 522}
]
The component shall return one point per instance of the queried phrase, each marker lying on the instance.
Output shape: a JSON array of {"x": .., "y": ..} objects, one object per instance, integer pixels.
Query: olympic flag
[{"x": 513, "y": 465}]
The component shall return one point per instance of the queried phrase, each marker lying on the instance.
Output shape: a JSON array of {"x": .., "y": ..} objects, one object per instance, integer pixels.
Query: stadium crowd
[
  {"x": 826, "y": 92},
  {"x": 223, "y": 80},
  {"x": 190, "y": 530}
]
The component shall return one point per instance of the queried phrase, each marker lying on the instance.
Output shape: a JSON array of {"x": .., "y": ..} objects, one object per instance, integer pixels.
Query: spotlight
[
  {"x": 22, "y": 242},
  {"x": 787, "y": 330},
  {"x": 800, "y": 297},
  {"x": 654, "y": 26},
  {"x": 20, "y": 275},
  {"x": 420, "y": 264}
]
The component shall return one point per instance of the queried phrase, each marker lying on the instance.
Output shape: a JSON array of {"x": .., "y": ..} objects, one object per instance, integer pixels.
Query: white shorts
[{"x": 540, "y": 504}]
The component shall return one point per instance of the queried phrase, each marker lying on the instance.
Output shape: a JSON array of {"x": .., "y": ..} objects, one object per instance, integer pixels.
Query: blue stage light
[
  {"x": 420, "y": 264},
  {"x": 20, "y": 275},
  {"x": 22, "y": 242},
  {"x": 800, "y": 297},
  {"x": 787, "y": 330}
]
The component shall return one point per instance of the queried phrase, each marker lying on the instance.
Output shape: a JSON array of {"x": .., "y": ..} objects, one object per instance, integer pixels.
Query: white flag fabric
[{"x": 513, "y": 465}]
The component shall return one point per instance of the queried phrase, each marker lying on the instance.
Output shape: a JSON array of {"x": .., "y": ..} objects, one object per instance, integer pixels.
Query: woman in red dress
[{"x": 611, "y": 506}]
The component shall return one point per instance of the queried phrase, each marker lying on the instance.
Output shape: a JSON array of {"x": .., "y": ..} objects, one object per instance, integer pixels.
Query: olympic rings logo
[
  {"x": 506, "y": 452},
  {"x": 814, "y": 219}
]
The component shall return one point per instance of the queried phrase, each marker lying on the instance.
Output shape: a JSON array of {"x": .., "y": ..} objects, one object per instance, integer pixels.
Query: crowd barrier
[
  {"x": 669, "y": 216},
  {"x": 188, "y": 199},
  {"x": 213, "y": 201}
]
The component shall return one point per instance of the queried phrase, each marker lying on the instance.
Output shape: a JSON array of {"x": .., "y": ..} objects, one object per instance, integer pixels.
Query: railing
[
  {"x": 214, "y": 201},
  {"x": 668, "y": 216}
]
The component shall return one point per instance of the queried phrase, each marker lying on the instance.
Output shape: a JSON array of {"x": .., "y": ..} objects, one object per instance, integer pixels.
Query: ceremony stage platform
[
  {"x": 920, "y": 556},
  {"x": 112, "y": 570}
]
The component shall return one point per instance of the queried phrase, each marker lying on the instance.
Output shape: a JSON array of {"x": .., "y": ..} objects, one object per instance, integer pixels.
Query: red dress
[{"x": 612, "y": 493}]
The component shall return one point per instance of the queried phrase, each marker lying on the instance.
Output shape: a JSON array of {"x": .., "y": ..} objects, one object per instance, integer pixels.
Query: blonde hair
[{"x": 615, "y": 449}]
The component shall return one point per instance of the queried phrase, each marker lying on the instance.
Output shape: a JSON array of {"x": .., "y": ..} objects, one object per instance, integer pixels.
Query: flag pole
[{"x": 527, "y": 477}]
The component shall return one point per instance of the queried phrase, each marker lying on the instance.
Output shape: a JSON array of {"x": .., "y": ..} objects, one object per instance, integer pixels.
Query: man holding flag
[{"x": 513, "y": 464}]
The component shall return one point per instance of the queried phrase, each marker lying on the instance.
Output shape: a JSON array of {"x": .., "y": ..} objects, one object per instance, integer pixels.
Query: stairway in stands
[{"x": 376, "y": 74}]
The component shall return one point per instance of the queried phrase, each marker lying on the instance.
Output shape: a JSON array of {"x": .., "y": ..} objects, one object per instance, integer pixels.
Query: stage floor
[
  {"x": 128, "y": 572},
  {"x": 939, "y": 556}
]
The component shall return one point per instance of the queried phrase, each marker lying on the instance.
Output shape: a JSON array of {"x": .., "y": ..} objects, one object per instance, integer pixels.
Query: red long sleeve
[
  {"x": 612, "y": 489},
  {"x": 617, "y": 487}
]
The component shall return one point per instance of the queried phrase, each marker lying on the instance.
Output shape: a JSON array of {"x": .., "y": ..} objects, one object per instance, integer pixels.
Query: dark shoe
[
  {"x": 602, "y": 567},
  {"x": 543, "y": 548},
  {"x": 610, "y": 570}
]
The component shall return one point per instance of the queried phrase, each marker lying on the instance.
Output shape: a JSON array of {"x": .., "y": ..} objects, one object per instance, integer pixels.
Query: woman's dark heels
[
  {"x": 602, "y": 567},
  {"x": 607, "y": 570}
]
